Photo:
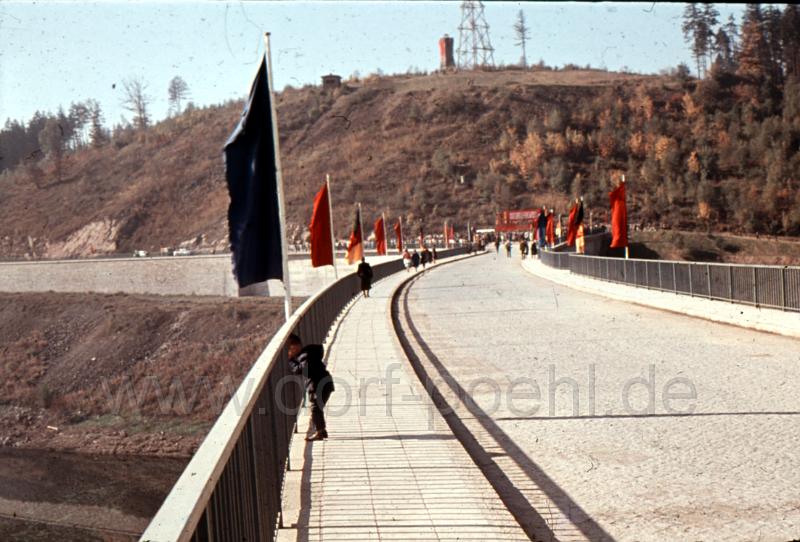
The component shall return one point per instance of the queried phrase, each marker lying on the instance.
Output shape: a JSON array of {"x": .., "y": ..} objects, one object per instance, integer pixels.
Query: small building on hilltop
[{"x": 331, "y": 81}]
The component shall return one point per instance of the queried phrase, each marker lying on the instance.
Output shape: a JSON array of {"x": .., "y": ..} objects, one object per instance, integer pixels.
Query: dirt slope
[{"x": 109, "y": 373}]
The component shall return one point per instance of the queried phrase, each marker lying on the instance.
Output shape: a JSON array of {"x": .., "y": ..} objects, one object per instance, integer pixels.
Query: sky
[{"x": 54, "y": 53}]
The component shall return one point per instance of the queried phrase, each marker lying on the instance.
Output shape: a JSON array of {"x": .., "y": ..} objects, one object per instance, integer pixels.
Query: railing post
[
  {"x": 755, "y": 288},
  {"x": 730, "y": 283},
  {"x": 674, "y": 279},
  {"x": 783, "y": 288},
  {"x": 708, "y": 278}
]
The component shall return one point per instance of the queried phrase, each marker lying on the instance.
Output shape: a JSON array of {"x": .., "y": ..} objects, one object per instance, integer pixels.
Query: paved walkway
[
  {"x": 615, "y": 421},
  {"x": 391, "y": 469}
]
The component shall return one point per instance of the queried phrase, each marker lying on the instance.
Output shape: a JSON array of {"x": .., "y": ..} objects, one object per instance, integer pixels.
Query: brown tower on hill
[{"x": 446, "y": 60}]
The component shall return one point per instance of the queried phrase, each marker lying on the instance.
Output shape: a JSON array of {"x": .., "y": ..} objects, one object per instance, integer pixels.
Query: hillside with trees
[{"x": 720, "y": 152}]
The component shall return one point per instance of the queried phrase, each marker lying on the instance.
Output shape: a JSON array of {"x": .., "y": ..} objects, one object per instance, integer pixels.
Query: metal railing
[
  {"x": 231, "y": 489},
  {"x": 759, "y": 285},
  {"x": 559, "y": 260}
]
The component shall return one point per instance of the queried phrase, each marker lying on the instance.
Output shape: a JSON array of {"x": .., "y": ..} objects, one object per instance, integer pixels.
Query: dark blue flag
[{"x": 250, "y": 168}]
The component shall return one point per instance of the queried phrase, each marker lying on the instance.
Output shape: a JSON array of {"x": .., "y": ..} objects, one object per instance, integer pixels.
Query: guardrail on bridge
[
  {"x": 231, "y": 489},
  {"x": 759, "y": 285}
]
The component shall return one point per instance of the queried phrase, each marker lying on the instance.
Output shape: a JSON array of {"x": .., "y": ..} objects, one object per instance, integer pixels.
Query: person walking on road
[
  {"x": 497, "y": 245},
  {"x": 308, "y": 362},
  {"x": 426, "y": 257},
  {"x": 523, "y": 248},
  {"x": 407, "y": 260},
  {"x": 541, "y": 226},
  {"x": 364, "y": 272},
  {"x": 415, "y": 259},
  {"x": 508, "y": 248}
]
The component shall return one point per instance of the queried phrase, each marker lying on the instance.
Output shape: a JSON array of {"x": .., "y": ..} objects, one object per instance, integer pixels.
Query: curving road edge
[{"x": 768, "y": 320}]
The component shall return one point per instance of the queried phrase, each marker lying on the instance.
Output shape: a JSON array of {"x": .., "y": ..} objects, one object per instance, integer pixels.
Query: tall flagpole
[
  {"x": 385, "y": 237},
  {"x": 400, "y": 221},
  {"x": 279, "y": 178},
  {"x": 330, "y": 215},
  {"x": 361, "y": 232},
  {"x": 627, "y": 252}
]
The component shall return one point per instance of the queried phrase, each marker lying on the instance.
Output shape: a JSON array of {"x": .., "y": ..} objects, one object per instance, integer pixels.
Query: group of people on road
[
  {"x": 526, "y": 247},
  {"x": 414, "y": 259},
  {"x": 308, "y": 361}
]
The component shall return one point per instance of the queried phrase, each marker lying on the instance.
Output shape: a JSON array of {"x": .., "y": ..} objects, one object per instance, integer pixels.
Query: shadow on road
[{"x": 536, "y": 527}]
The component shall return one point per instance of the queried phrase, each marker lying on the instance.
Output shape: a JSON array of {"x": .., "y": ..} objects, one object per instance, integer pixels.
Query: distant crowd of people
[{"x": 415, "y": 259}]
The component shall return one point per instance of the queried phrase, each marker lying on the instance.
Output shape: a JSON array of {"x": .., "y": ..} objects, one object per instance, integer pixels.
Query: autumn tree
[
  {"x": 697, "y": 35},
  {"x": 528, "y": 155},
  {"x": 177, "y": 92},
  {"x": 790, "y": 36},
  {"x": 732, "y": 31},
  {"x": 521, "y": 33},
  {"x": 97, "y": 133},
  {"x": 137, "y": 102},
  {"x": 78, "y": 119},
  {"x": 753, "y": 55},
  {"x": 774, "y": 44},
  {"x": 51, "y": 139},
  {"x": 723, "y": 50},
  {"x": 710, "y": 18}
]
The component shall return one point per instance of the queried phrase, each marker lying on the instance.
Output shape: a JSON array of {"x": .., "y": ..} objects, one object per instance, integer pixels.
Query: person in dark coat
[
  {"x": 415, "y": 259},
  {"x": 426, "y": 257},
  {"x": 541, "y": 226},
  {"x": 308, "y": 362},
  {"x": 365, "y": 274}
]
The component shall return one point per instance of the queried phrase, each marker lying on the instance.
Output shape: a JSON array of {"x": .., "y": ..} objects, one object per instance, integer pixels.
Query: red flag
[
  {"x": 380, "y": 237},
  {"x": 355, "y": 247},
  {"x": 550, "y": 232},
  {"x": 398, "y": 231},
  {"x": 452, "y": 234},
  {"x": 320, "y": 226},
  {"x": 619, "y": 217},
  {"x": 572, "y": 225}
]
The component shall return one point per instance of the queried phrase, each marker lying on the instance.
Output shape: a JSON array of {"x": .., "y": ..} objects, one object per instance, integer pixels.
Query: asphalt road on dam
[{"x": 683, "y": 428}]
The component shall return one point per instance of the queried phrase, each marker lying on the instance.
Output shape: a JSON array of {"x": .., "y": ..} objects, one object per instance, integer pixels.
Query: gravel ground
[{"x": 684, "y": 429}]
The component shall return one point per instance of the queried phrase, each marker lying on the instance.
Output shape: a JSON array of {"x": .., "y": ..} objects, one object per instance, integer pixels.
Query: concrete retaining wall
[{"x": 170, "y": 275}]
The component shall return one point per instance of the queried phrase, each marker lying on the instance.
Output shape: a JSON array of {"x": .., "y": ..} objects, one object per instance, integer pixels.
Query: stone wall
[{"x": 169, "y": 275}]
